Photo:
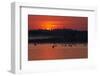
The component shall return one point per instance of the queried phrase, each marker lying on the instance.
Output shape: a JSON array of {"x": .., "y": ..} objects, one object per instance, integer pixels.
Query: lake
[{"x": 51, "y": 51}]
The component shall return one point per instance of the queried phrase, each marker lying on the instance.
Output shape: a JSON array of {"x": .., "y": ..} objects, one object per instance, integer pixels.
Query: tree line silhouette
[{"x": 57, "y": 36}]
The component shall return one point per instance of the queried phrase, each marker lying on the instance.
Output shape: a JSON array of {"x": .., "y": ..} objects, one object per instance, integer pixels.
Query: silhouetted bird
[
  {"x": 35, "y": 44},
  {"x": 54, "y": 46},
  {"x": 70, "y": 45}
]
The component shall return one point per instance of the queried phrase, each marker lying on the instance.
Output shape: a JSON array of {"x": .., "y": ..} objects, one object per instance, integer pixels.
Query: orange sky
[{"x": 45, "y": 22}]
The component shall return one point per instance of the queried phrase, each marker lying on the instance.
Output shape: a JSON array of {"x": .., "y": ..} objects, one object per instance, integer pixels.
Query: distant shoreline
[{"x": 57, "y": 36}]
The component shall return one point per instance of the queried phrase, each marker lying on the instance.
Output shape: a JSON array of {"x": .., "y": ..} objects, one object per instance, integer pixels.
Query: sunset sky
[{"x": 44, "y": 22}]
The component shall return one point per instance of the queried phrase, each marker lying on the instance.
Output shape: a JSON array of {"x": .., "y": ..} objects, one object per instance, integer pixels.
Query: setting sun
[
  {"x": 57, "y": 37},
  {"x": 36, "y": 22},
  {"x": 48, "y": 26}
]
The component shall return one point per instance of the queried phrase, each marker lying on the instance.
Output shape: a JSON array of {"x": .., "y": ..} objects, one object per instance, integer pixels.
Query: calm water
[{"x": 56, "y": 51}]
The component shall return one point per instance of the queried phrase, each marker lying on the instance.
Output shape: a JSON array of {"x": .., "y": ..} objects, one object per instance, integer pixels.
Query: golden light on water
[{"x": 47, "y": 51}]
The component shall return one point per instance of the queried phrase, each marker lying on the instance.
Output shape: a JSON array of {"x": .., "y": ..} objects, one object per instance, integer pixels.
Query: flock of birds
[{"x": 65, "y": 45}]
